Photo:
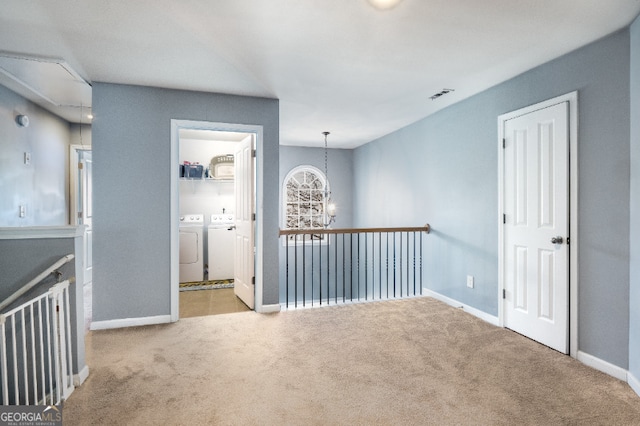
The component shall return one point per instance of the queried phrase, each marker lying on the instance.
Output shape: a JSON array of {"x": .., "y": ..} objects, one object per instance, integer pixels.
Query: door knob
[{"x": 557, "y": 240}]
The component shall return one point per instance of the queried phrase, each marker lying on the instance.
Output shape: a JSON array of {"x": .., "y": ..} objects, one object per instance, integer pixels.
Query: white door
[
  {"x": 244, "y": 284},
  {"x": 84, "y": 209},
  {"x": 536, "y": 225}
]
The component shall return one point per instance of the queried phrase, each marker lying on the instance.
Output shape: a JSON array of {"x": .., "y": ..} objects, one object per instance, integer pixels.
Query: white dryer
[
  {"x": 191, "y": 247},
  {"x": 222, "y": 236}
]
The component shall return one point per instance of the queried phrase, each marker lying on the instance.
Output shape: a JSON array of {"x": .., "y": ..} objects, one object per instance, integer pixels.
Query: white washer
[
  {"x": 222, "y": 237},
  {"x": 191, "y": 247}
]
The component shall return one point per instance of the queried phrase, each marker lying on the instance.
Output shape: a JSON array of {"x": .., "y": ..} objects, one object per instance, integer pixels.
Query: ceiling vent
[{"x": 443, "y": 92}]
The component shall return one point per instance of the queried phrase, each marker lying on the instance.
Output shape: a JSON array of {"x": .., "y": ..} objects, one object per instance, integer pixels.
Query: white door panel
[
  {"x": 87, "y": 214},
  {"x": 81, "y": 203},
  {"x": 244, "y": 286},
  {"x": 536, "y": 191}
]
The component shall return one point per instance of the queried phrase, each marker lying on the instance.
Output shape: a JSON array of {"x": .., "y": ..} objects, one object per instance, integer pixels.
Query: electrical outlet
[
  {"x": 22, "y": 211},
  {"x": 470, "y": 281}
]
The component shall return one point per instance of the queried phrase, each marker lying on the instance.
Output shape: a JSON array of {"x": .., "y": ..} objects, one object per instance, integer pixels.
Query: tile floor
[
  {"x": 196, "y": 303},
  {"x": 199, "y": 303}
]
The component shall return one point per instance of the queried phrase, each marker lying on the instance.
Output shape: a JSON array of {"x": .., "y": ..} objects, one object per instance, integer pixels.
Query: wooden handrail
[{"x": 426, "y": 228}]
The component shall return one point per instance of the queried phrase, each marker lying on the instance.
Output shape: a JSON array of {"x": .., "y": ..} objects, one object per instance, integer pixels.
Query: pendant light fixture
[{"x": 330, "y": 207}]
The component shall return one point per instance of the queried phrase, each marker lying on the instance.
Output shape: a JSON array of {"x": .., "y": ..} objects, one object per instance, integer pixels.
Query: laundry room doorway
[{"x": 215, "y": 211}]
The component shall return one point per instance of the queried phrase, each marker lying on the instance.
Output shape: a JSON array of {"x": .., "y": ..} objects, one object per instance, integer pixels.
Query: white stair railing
[{"x": 35, "y": 352}]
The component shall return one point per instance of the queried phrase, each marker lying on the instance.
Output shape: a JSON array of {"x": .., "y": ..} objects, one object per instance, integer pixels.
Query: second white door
[
  {"x": 244, "y": 285},
  {"x": 536, "y": 225}
]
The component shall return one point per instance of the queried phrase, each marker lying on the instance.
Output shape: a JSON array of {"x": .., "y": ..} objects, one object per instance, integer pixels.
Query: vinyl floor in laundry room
[{"x": 199, "y": 303}]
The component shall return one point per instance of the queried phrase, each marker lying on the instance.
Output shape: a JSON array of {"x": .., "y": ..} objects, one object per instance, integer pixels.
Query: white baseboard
[
  {"x": 634, "y": 383},
  {"x": 268, "y": 309},
  {"x": 130, "y": 322},
  {"x": 470, "y": 309},
  {"x": 601, "y": 365},
  {"x": 79, "y": 378}
]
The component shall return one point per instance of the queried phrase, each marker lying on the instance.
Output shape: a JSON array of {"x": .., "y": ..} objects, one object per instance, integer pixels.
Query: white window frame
[{"x": 283, "y": 217}]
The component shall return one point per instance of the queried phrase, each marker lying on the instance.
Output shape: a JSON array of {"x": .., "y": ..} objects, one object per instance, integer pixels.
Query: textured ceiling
[{"x": 336, "y": 65}]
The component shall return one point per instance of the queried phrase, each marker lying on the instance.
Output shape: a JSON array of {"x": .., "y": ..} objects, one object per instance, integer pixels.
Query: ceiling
[
  {"x": 335, "y": 65},
  {"x": 48, "y": 82}
]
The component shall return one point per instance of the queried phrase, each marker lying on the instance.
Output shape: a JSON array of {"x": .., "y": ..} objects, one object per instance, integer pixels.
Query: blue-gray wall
[
  {"x": 43, "y": 186},
  {"x": 340, "y": 171},
  {"x": 131, "y": 139},
  {"x": 634, "y": 234},
  {"x": 444, "y": 170},
  {"x": 23, "y": 259}
]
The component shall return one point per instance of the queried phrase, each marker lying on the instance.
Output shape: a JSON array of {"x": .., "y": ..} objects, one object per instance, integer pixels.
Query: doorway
[
  {"x": 213, "y": 185},
  {"x": 538, "y": 230}
]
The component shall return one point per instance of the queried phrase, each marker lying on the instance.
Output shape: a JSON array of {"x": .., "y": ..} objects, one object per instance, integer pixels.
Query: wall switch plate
[
  {"x": 27, "y": 158},
  {"x": 470, "y": 281}
]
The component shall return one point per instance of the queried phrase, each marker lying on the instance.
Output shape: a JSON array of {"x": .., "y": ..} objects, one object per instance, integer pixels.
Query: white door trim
[
  {"x": 176, "y": 125},
  {"x": 74, "y": 160},
  {"x": 572, "y": 99},
  {"x": 73, "y": 181}
]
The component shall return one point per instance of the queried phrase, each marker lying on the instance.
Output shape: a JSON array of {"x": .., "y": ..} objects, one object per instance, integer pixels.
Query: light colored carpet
[{"x": 405, "y": 362}]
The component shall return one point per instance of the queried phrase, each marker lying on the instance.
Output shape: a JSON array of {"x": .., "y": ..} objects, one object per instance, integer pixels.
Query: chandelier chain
[{"x": 329, "y": 207}]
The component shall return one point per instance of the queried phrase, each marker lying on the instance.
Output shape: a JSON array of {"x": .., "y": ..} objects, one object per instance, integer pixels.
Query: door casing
[
  {"x": 74, "y": 185},
  {"x": 176, "y": 125},
  {"x": 572, "y": 99}
]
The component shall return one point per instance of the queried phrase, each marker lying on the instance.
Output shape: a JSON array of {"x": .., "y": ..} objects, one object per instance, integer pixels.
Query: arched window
[{"x": 304, "y": 202}]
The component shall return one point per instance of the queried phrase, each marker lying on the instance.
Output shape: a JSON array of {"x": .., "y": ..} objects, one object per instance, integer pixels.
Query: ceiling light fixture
[
  {"x": 384, "y": 4},
  {"x": 330, "y": 207}
]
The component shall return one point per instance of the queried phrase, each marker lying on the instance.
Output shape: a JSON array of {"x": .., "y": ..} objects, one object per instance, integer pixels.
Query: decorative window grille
[{"x": 304, "y": 201}]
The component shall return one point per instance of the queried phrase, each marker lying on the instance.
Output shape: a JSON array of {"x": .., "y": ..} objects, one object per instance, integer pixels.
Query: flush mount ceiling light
[{"x": 384, "y": 4}]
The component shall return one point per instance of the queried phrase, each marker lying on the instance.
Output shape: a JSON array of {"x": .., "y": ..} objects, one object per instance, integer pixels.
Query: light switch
[{"x": 27, "y": 158}]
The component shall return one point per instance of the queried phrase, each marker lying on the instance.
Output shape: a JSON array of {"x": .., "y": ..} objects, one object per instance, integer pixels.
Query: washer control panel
[
  {"x": 192, "y": 218},
  {"x": 222, "y": 219}
]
